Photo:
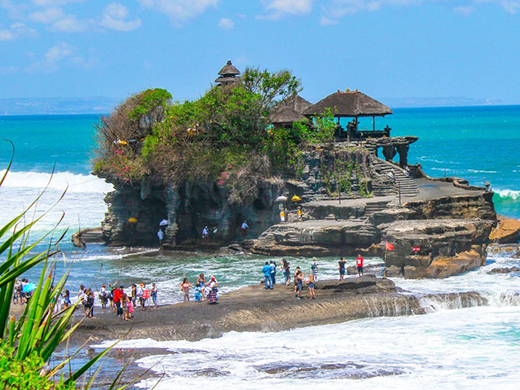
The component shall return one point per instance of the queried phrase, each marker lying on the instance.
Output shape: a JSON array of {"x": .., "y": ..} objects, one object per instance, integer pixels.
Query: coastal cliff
[{"x": 304, "y": 185}]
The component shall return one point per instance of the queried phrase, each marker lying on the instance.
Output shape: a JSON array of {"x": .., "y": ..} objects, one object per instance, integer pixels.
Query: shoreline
[{"x": 252, "y": 309}]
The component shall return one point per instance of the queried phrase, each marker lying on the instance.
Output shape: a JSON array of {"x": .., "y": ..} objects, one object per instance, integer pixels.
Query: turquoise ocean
[{"x": 451, "y": 347}]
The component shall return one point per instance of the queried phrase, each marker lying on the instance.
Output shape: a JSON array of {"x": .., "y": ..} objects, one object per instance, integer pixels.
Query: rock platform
[{"x": 253, "y": 309}]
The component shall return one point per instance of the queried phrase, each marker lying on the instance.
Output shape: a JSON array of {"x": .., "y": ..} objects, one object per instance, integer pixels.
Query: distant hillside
[{"x": 57, "y": 106}]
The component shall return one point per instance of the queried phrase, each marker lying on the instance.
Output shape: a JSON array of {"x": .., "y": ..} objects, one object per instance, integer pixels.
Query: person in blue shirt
[{"x": 267, "y": 275}]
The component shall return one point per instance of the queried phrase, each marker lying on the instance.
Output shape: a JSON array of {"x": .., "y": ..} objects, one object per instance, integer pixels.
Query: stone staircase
[
  {"x": 403, "y": 183},
  {"x": 374, "y": 207}
]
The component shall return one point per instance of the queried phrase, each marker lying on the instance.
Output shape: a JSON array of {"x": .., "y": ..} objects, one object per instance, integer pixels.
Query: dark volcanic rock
[
  {"x": 447, "y": 247},
  {"x": 504, "y": 270},
  {"x": 253, "y": 309}
]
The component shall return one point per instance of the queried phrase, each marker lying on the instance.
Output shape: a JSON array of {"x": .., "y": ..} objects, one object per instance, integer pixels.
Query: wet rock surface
[
  {"x": 505, "y": 270},
  {"x": 254, "y": 309}
]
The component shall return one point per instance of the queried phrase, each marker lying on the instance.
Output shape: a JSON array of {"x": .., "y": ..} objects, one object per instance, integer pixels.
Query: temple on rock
[
  {"x": 352, "y": 104},
  {"x": 228, "y": 75},
  {"x": 350, "y": 200}
]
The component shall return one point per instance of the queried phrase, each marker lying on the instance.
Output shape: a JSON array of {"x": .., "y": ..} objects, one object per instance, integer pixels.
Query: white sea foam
[
  {"x": 480, "y": 171},
  {"x": 460, "y": 349},
  {"x": 82, "y": 203},
  {"x": 58, "y": 181}
]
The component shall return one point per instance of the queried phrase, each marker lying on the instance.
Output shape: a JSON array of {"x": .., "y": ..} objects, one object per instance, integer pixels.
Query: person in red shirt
[
  {"x": 118, "y": 294},
  {"x": 359, "y": 265}
]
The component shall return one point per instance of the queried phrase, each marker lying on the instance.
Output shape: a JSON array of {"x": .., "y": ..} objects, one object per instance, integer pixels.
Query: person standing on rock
[
  {"x": 296, "y": 279},
  {"x": 133, "y": 295},
  {"x": 244, "y": 228},
  {"x": 103, "y": 297},
  {"x": 287, "y": 271},
  {"x": 299, "y": 284},
  {"x": 310, "y": 285},
  {"x": 160, "y": 236},
  {"x": 273, "y": 272},
  {"x": 359, "y": 265},
  {"x": 314, "y": 268},
  {"x": 341, "y": 268},
  {"x": 153, "y": 294},
  {"x": 267, "y": 276},
  {"x": 117, "y": 300},
  {"x": 185, "y": 287}
]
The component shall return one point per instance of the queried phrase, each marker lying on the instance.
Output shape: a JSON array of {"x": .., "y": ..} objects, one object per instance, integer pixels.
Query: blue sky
[{"x": 386, "y": 48}]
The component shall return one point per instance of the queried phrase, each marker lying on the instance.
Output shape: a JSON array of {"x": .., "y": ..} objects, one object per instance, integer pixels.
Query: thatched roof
[
  {"x": 284, "y": 114},
  {"x": 297, "y": 103},
  {"x": 349, "y": 104},
  {"x": 289, "y": 110},
  {"x": 226, "y": 80},
  {"x": 229, "y": 70}
]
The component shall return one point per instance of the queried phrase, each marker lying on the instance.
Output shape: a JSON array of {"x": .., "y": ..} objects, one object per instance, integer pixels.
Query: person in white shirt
[
  {"x": 244, "y": 228},
  {"x": 205, "y": 232}
]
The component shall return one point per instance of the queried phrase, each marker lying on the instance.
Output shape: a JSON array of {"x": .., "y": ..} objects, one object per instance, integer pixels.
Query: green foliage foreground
[{"x": 27, "y": 343}]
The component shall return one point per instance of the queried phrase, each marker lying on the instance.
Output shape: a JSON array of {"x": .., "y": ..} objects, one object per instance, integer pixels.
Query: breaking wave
[
  {"x": 57, "y": 181},
  {"x": 505, "y": 195}
]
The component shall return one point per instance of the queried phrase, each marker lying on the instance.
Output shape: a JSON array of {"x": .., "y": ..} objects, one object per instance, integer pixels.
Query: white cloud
[
  {"x": 340, "y": 8},
  {"x": 464, "y": 10},
  {"x": 17, "y": 30},
  {"x": 179, "y": 11},
  {"x": 278, "y": 8},
  {"x": 47, "y": 16},
  {"x": 61, "y": 54},
  {"x": 334, "y": 10},
  {"x": 226, "y": 24},
  {"x": 71, "y": 24},
  {"x": 14, "y": 10},
  {"x": 114, "y": 18},
  {"x": 510, "y": 6}
]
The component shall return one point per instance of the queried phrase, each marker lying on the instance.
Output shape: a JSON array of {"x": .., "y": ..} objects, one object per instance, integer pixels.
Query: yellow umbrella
[
  {"x": 132, "y": 220},
  {"x": 296, "y": 198}
]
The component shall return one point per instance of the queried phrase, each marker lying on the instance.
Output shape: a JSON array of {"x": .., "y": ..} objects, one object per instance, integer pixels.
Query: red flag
[{"x": 389, "y": 247}]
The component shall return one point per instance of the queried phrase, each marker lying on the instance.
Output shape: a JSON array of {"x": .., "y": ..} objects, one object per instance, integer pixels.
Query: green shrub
[{"x": 26, "y": 375}]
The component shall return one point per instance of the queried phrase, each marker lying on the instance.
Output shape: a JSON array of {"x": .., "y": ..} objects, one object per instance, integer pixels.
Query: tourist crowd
[
  {"x": 124, "y": 303},
  {"x": 204, "y": 290},
  {"x": 269, "y": 271},
  {"x": 120, "y": 302}
]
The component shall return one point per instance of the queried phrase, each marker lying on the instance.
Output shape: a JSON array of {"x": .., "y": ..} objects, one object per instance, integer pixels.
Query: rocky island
[{"x": 305, "y": 181}]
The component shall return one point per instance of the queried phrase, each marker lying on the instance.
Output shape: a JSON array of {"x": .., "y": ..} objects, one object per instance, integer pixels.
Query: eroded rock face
[
  {"x": 455, "y": 207},
  {"x": 136, "y": 209},
  {"x": 507, "y": 231},
  {"x": 448, "y": 246},
  {"x": 188, "y": 209},
  {"x": 316, "y": 238}
]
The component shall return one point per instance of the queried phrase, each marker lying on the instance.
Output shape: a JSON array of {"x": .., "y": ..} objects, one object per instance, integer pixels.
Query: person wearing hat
[{"x": 213, "y": 291}]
